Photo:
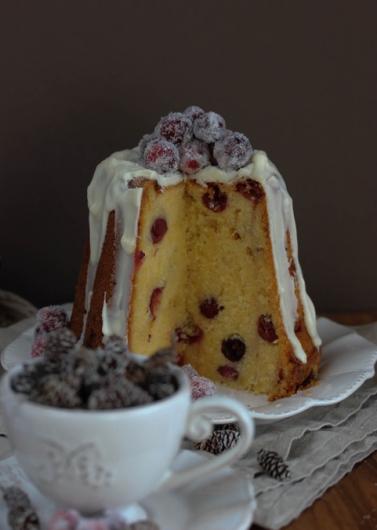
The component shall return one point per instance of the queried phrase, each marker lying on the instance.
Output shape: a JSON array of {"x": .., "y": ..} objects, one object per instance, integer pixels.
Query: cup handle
[{"x": 199, "y": 427}]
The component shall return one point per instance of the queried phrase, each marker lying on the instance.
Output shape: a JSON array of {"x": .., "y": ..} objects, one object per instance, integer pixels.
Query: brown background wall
[{"x": 80, "y": 79}]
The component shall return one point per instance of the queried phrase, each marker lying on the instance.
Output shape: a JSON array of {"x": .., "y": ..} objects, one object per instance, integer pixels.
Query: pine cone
[
  {"x": 273, "y": 464},
  {"x": 220, "y": 440}
]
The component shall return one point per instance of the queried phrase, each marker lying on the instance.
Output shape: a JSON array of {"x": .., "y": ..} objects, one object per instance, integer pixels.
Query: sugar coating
[
  {"x": 193, "y": 112},
  {"x": 64, "y": 520},
  {"x": 50, "y": 318},
  {"x": 161, "y": 156},
  {"x": 176, "y": 127},
  {"x": 232, "y": 151},
  {"x": 200, "y": 386},
  {"x": 194, "y": 156},
  {"x": 209, "y": 127},
  {"x": 39, "y": 345}
]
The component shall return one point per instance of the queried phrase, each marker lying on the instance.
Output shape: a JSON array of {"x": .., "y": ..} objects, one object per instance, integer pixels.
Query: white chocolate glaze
[{"x": 109, "y": 191}]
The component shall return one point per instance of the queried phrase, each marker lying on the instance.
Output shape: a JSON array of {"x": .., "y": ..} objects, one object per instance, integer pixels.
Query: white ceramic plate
[
  {"x": 347, "y": 362},
  {"x": 223, "y": 501}
]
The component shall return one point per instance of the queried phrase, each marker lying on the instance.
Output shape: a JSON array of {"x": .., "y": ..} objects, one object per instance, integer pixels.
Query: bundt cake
[{"x": 192, "y": 238}]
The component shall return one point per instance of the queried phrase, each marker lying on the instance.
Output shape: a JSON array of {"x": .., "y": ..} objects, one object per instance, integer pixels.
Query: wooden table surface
[{"x": 352, "y": 503}]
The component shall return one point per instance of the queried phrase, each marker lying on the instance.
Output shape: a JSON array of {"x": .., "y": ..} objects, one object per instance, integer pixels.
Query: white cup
[{"x": 96, "y": 460}]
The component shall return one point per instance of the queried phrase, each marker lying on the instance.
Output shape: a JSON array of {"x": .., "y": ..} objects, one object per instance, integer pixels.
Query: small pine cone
[
  {"x": 273, "y": 464},
  {"x": 219, "y": 441},
  {"x": 55, "y": 392},
  {"x": 23, "y": 519},
  {"x": 59, "y": 342},
  {"x": 115, "y": 345}
]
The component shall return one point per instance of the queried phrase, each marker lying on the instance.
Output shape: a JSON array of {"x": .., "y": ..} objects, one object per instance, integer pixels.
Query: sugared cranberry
[
  {"x": 155, "y": 301},
  {"x": 144, "y": 141},
  {"x": 193, "y": 112},
  {"x": 158, "y": 229},
  {"x": 250, "y": 189},
  {"x": 39, "y": 346},
  {"x": 210, "y": 308},
  {"x": 175, "y": 127},
  {"x": 209, "y": 127},
  {"x": 139, "y": 257},
  {"x": 65, "y": 520},
  {"x": 228, "y": 372},
  {"x": 200, "y": 386},
  {"x": 266, "y": 328},
  {"x": 233, "y": 348},
  {"x": 189, "y": 333},
  {"x": 232, "y": 151},
  {"x": 161, "y": 156},
  {"x": 50, "y": 318},
  {"x": 215, "y": 199},
  {"x": 194, "y": 156}
]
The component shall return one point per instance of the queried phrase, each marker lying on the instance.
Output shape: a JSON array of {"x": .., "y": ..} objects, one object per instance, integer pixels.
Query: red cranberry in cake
[
  {"x": 298, "y": 326},
  {"x": 194, "y": 156},
  {"x": 155, "y": 301},
  {"x": 266, "y": 329},
  {"x": 210, "y": 308},
  {"x": 189, "y": 333},
  {"x": 215, "y": 199},
  {"x": 232, "y": 151},
  {"x": 251, "y": 190},
  {"x": 161, "y": 156},
  {"x": 158, "y": 229},
  {"x": 228, "y": 372},
  {"x": 139, "y": 257},
  {"x": 233, "y": 348},
  {"x": 176, "y": 127},
  {"x": 209, "y": 127},
  {"x": 193, "y": 112}
]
